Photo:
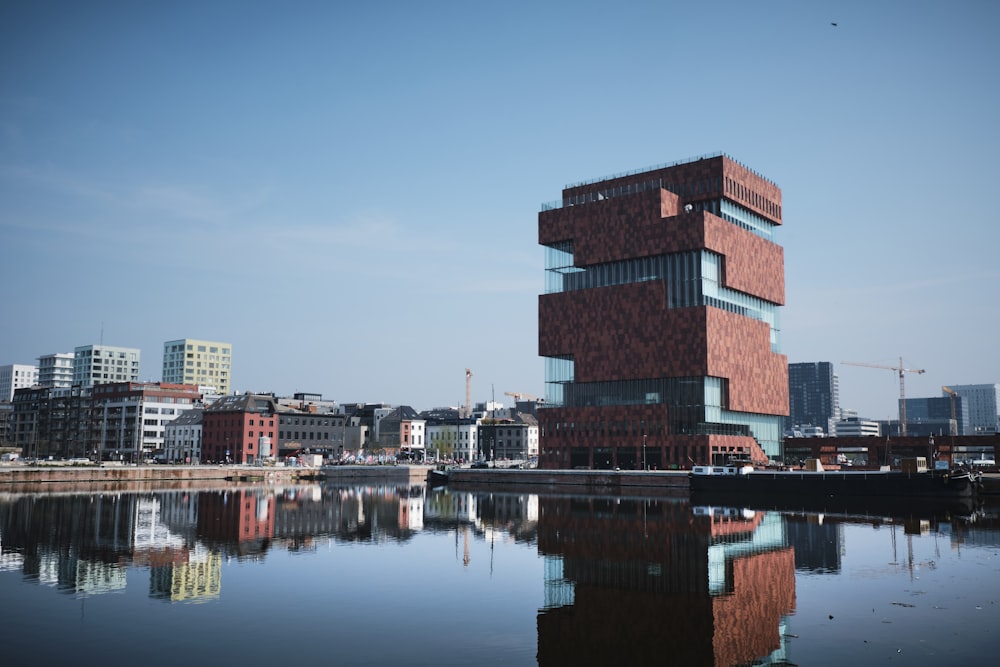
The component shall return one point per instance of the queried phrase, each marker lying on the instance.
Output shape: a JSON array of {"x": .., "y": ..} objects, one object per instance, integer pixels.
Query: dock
[{"x": 645, "y": 483}]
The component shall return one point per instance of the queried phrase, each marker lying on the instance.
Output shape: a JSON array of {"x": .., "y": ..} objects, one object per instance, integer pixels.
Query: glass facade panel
[{"x": 741, "y": 217}]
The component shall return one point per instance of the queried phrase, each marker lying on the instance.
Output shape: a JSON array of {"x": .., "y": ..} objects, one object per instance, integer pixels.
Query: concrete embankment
[
  {"x": 597, "y": 482},
  {"x": 32, "y": 478},
  {"x": 111, "y": 477},
  {"x": 108, "y": 478}
]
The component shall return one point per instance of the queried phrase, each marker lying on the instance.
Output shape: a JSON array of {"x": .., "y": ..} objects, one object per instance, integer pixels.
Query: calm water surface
[{"x": 400, "y": 575}]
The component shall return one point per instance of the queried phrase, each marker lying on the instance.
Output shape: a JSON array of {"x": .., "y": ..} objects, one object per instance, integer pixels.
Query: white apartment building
[
  {"x": 204, "y": 363},
  {"x": 848, "y": 428},
  {"x": 984, "y": 406},
  {"x": 16, "y": 376},
  {"x": 56, "y": 370},
  {"x": 457, "y": 440},
  {"x": 182, "y": 438},
  {"x": 104, "y": 364}
]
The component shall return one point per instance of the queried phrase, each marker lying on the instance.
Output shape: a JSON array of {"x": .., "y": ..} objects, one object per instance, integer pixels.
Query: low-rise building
[
  {"x": 856, "y": 427},
  {"x": 182, "y": 438},
  {"x": 450, "y": 436},
  {"x": 240, "y": 429},
  {"x": 512, "y": 438},
  {"x": 308, "y": 424}
]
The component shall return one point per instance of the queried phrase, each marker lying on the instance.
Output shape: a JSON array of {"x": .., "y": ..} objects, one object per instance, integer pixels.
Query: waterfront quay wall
[
  {"x": 120, "y": 477},
  {"x": 591, "y": 482},
  {"x": 413, "y": 475},
  {"x": 56, "y": 474}
]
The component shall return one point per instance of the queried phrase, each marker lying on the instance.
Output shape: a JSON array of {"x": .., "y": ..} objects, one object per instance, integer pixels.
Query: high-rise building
[
  {"x": 56, "y": 370},
  {"x": 659, "y": 323},
  {"x": 16, "y": 376},
  {"x": 984, "y": 407},
  {"x": 104, "y": 364},
  {"x": 813, "y": 396},
  {"x": 204, "y": 363}
]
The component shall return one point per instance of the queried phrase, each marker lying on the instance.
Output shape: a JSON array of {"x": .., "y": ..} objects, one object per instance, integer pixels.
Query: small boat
[{"x": 437, "y": 477}]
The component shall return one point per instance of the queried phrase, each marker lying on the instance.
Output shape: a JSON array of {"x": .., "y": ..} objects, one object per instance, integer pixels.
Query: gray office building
[{"x": 813, "y": 396}]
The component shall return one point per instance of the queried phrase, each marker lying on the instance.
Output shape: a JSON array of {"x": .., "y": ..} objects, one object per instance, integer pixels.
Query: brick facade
[{"x": 626, "y": 331}]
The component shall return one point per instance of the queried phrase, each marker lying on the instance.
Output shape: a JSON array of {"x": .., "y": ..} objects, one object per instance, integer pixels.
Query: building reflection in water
[
  {"x": 636, "y": 581},
  {"x": 84, "y": 543},
  {"x": 626, "y": 580}
]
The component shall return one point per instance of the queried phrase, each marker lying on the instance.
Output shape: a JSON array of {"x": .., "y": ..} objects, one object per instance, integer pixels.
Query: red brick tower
[{"x": 660, "y": 319}]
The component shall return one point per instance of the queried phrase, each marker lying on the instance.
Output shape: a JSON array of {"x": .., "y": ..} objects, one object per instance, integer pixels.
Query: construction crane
[
  {"x": 468, "y": 392},
  {"x": 902, "y": 386},
  {"x": 518, "y": 396}
]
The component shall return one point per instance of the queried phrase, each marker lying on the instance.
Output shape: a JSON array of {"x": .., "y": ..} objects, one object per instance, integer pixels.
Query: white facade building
[
  {"x": 104, "y": 364},
  {"x": 850, "y": 428},
  {"x": 16, "y": 376},
  {"x": 56, "y": 370},
  {"x": 459, "y": 439}
]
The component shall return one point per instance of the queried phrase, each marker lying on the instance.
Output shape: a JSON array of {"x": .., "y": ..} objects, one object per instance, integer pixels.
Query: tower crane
[
  {"x": 518, "y": 396},
  {"x": 902, "y": 387}
]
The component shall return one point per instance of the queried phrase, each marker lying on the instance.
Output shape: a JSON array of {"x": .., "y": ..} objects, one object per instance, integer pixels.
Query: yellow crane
[
  {"x": 902, "y": 386},
  {"x": 519, "y": 396}
]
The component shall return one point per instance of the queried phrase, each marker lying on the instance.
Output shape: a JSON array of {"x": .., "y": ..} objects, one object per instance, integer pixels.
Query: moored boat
[
  {"x": 915, "y": 481},
  {"x": 437, "y": 477}
]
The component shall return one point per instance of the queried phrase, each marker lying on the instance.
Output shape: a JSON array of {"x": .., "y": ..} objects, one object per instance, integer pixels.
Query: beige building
[{"x": 205, "y": 363}]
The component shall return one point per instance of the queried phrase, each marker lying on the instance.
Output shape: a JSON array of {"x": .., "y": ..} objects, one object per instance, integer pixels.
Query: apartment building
[
  {"x": 104, "y": 364},
  {"x": 204, "y": 363}
]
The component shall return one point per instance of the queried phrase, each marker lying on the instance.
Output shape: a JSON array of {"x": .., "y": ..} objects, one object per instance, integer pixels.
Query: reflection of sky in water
[
  {"x": 924, "y": 598},
  {"x": 383, "y": 575}
]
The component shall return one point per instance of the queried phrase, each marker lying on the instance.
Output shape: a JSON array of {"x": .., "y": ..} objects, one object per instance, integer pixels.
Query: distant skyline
[{"x": 368, "y": 178}]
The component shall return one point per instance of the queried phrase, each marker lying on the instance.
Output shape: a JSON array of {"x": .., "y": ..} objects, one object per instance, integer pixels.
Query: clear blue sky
[{"x": 349, "y": 192}]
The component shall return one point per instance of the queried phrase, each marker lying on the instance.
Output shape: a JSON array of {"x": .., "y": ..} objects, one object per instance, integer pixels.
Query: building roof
[
  {"x": 244, "y": 403},
  {"x": 189, "y": 418}
]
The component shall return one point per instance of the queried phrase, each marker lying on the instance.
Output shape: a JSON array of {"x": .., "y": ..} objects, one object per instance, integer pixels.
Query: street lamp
[{"x": 644, "y": 451}]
